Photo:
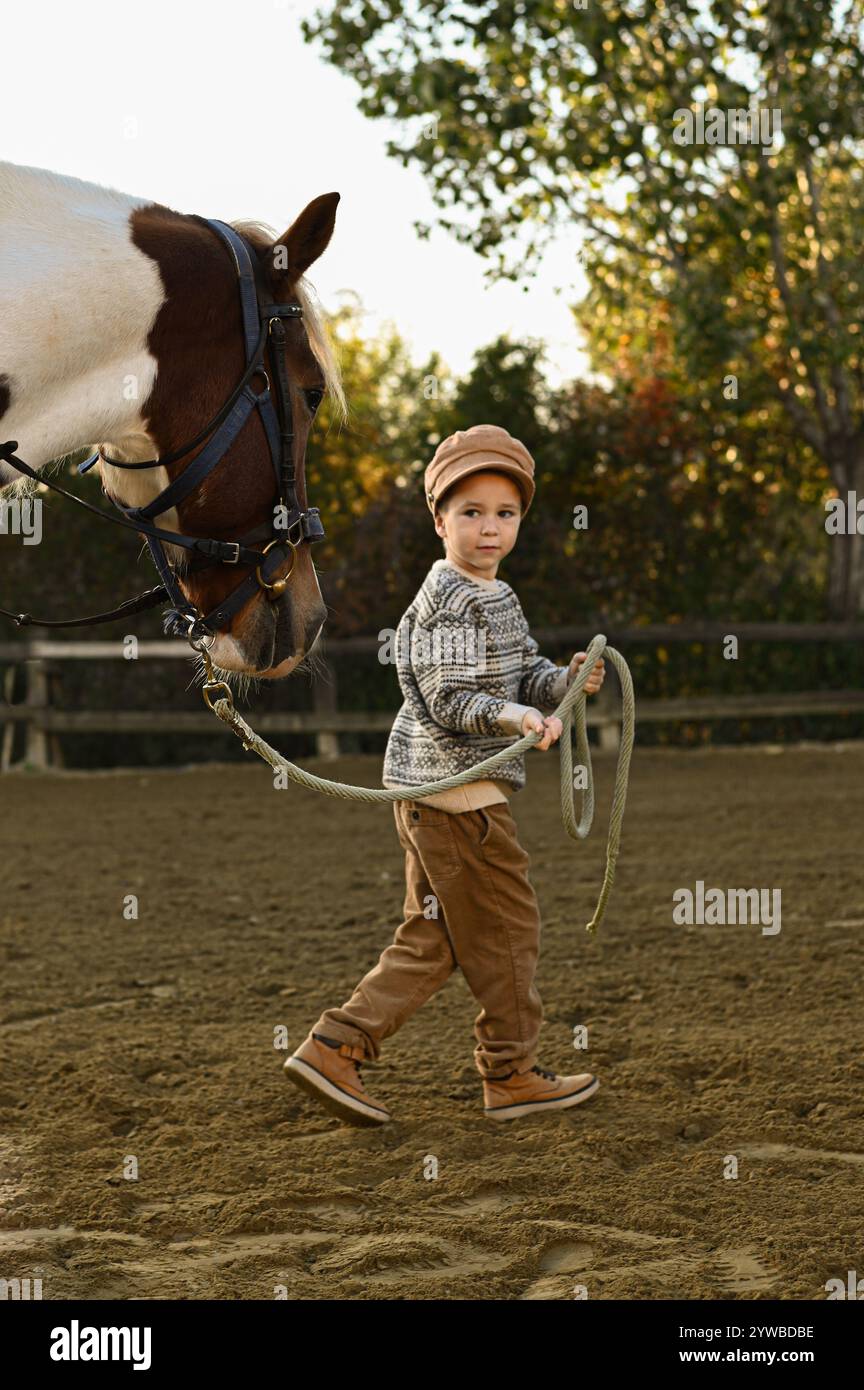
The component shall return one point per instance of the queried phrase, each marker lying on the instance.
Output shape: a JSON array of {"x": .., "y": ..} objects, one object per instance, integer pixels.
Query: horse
[{"x": 120, "y": 322}]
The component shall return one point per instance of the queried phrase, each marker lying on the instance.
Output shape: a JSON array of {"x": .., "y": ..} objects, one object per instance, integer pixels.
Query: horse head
[
  {"x": 198, "y": 342},
  {"x": 132, "y": 326}
]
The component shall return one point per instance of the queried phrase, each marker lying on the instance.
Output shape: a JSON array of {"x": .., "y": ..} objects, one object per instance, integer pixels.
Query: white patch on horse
[{"x": 77, "y": 302}]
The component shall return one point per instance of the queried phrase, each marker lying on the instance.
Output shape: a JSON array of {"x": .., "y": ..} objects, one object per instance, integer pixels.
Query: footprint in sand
[
  {"x": 566, "y": 1257},
  {"x": 741, "y": 1271},
  {"x": 790, "y": 1151},
  {"x": 735, "y": 1270},
  {"x": 485, "y": 1199},
  {"x": 341, "y": 1208},
  {"x": 389, "y": 1259}
]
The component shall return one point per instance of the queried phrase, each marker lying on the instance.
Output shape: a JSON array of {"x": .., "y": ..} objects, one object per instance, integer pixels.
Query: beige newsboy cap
[{"x": 469, "y": 451}]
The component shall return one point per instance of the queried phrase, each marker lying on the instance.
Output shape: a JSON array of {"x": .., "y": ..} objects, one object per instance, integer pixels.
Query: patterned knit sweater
[{"x": 468, "y": 669}]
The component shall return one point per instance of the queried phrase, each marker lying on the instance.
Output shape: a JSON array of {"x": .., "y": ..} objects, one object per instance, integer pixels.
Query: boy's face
[{"x": 480, "y": 521}]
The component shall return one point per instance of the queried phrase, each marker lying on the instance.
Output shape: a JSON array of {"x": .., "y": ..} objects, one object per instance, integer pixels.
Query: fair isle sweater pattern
[{"x": 468, "y": 669}]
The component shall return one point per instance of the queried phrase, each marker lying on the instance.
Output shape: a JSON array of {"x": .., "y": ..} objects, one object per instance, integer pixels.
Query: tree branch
[{"x": 838, "y": 377}]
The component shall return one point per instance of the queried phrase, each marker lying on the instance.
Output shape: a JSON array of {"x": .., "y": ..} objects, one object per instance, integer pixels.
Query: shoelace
[{"x": 541, "y": 1071}]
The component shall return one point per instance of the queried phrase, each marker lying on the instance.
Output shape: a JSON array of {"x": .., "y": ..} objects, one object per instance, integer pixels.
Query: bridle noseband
[{"x": 263, "y": 330}]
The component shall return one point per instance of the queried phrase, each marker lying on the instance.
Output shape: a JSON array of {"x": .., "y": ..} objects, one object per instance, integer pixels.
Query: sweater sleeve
[
  {"x": 511, "y": 716},
  {"x": 543, "y": 683},
  {"x": 448, "y": 665}
]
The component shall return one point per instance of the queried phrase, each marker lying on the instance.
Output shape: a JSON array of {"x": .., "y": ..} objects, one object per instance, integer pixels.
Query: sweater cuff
[
  {"x": 511, "y": 716},
  {"x": 559, "y": 686}
]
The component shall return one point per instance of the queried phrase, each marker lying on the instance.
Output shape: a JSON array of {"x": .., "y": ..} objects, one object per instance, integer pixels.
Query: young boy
[{"x": 465, "y": 661}]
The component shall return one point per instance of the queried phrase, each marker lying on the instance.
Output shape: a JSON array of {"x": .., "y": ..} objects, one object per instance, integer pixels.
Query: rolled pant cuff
[{"x": 498, "y": 1069}]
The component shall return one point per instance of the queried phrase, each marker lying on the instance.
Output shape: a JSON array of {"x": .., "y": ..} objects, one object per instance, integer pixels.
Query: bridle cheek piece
[{"x": 263, "y": 328}]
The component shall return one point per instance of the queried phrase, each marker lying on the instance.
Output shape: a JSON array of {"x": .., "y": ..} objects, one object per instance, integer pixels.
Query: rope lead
[{"x": 571, "y": 707}]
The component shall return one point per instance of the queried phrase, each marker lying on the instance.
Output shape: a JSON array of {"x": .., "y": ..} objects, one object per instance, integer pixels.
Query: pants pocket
[{"x": 432, "y": 837}]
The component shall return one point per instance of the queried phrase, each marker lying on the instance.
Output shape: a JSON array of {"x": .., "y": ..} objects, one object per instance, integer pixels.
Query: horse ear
[{"x": 306, "y": 239}]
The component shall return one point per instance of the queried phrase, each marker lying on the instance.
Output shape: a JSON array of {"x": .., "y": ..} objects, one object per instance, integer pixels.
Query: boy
[{"x": 465, "y": 659}]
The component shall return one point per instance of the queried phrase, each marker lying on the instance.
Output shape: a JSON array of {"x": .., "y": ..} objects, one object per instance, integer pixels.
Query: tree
[
  {"x": 361, "y": 475},
  {"x": 533, "y": 114}
]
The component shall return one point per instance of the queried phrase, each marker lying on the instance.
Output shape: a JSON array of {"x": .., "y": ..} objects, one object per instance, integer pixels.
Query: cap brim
[{"x": 478, "y": 464}]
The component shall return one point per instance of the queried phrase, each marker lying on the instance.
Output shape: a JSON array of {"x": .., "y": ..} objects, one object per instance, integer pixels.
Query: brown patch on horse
[
  {"x": 197, "y": 341},
  {"x": 5, "y": 394}
]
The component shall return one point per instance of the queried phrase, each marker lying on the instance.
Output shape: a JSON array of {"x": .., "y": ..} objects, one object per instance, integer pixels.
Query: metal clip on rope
[
  {"x": 201, "y": 641},
  {"x": 571, "y": 708}
]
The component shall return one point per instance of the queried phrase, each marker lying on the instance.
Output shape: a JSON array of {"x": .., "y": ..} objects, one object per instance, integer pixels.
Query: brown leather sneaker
[
  {"x": 330, "y": 1074},
  {"x": 520, "y": 1093}
]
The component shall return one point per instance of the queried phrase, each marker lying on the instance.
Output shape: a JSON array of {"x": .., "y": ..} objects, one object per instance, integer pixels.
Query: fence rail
[{"x": 43, "y": 721}]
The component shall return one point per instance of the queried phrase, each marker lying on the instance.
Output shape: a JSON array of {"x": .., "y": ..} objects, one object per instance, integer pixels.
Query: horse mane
[{"x": 320, "y": 340}]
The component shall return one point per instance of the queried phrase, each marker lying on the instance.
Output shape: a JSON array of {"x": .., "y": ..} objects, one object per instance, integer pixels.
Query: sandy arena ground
[{"x": 155, "y": 1039}]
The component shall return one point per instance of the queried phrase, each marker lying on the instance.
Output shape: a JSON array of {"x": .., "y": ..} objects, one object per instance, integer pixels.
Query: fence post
[
  {"x": 36, "y": 754},
  {"x": 55, "y": 699},
  {"x": 8, "y": 747},
  {"x": 325, "y": 701}
]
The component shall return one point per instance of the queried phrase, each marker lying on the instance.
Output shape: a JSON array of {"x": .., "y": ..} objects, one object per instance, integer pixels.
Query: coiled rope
[{"x": 570, "y": 710}]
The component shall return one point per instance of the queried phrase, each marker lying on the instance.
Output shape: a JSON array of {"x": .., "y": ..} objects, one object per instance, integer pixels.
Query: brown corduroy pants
[{"x": 468, "y": 904}]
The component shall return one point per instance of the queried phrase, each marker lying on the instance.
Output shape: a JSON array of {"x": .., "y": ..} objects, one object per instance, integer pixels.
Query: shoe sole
[
  {"x": 528, "y": 1107},
  {"x": 316, "y": 1084}
]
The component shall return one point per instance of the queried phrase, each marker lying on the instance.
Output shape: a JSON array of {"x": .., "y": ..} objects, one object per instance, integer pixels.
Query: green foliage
[{"x": 745, "y": 255}]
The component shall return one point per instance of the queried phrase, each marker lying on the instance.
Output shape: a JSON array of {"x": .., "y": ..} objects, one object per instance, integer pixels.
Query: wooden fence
[{"x": 44, "y": 720}]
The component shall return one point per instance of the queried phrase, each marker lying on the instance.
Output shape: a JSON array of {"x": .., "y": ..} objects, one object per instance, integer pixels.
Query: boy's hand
[
  {"x": 597, "y": 677},
  {"x": 550, "y": 727}
]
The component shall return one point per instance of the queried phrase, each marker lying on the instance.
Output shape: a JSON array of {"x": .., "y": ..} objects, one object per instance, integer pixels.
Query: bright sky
[{"x": 223, "y": 110}]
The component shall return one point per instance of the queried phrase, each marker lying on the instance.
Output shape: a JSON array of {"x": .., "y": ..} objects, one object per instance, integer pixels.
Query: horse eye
[{"x": 313, "y": 399}]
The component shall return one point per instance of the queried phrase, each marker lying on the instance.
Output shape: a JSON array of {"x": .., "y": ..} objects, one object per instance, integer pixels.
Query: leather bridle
[{"x": 264, "y": 330}]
